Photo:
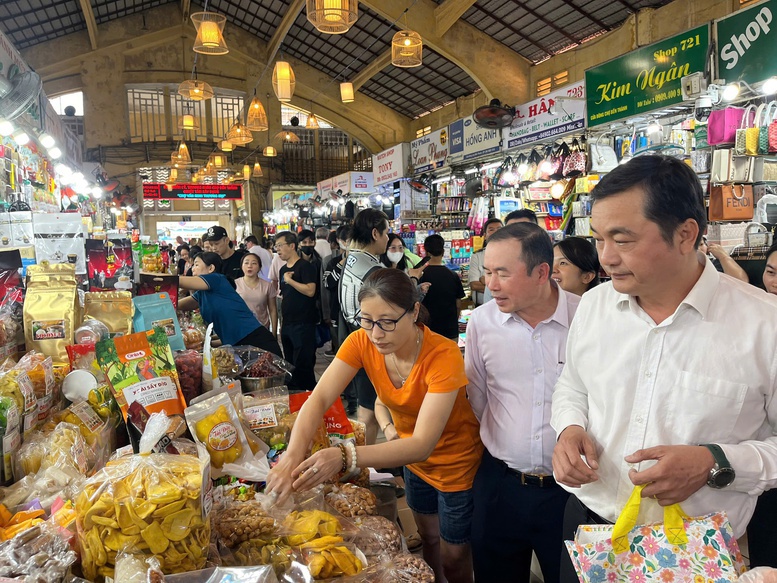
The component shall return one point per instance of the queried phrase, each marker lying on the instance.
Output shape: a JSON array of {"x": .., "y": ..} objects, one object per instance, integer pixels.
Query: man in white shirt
[
  {"x": 253, "y": 246},
  {"x": 322, "y": 242},
  {"x": 671, "y": 369},
  {"x": 516, "y": 346}
]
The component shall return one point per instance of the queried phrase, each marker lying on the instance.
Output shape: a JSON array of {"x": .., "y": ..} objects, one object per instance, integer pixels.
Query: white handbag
[
  {"x": 602, "y": 157},
  {"x": 722, "y": 165}
]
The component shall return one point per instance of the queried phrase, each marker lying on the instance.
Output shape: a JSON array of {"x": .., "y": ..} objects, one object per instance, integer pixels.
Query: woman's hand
[
  {"x": 318, "y": 468},
  {"x": 279, "y": 480}
]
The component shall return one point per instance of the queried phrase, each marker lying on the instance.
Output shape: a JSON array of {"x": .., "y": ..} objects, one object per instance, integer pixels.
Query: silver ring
[{"x": 314, "y": 469}]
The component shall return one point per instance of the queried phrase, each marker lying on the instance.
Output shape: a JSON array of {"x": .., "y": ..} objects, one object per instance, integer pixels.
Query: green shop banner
[
  {"x": 645, "y": 79},
  {"x": 747, "y": 44}
]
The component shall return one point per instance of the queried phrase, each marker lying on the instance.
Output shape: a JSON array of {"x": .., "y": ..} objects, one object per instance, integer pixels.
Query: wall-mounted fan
[
  {"x": 494, "y": 115},
  {"x": 17, "y": 94}
]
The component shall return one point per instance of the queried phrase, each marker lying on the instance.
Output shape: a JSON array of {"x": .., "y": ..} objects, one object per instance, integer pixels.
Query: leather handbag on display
[
  {"x": 532, "y": 163},
  {"x": 602, "y": 156},
  {"x": 769, "y": 169},
  {"x": 722, "y": 165},
  {"x": 576, "y": 162},
  {"x": 742, "y": 169},
  {"x": 700, "y": 161},
  {"x": 557, "y": 161},
  {"x": 739, "y": 138},
  {"x": 731, "y": 202},
  {"x": 753, "y": 133},
  {"x": 723, "y": 124},
  {"x": 763, "y": 130}
]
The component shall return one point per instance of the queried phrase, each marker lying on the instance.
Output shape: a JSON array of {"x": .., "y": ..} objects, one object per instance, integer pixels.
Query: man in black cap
[{"x": 231, "y": 259}]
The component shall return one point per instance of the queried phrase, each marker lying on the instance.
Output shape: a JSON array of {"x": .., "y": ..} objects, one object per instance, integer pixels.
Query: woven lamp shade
[
  {"x": 312, "y": 123},
  {"x": 188, "y": 122},
  {"x": 195, "y": 90},
  {"x": 346, "y": 92},
  {"x": 239, "y": 135},
  {"x": 332, "y": 16},
  {"x": 219, "y": 161},
  {"x": 407, "y": 49},
  {"x": 226, "y": 146},
  {"x": 183, "y": 153},
  {"x": 287, "y": 137},
  {"x": 256, "y": 118},
  {"x": 283, "y": 81},
  {"x": 210, "y": 33},
  {"x": 246, "y": 172},
  {"x": 257, "y": 173},
  {"x": 270, "y": 152}
]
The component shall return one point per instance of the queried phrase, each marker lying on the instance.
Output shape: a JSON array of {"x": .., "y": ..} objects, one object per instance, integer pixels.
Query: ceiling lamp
[
  {"x": 257, "y": 173},
  {"x": 21, "y": 137},
  {"x": 283, "y": 81},
  {"x": 188, "y": 122},
  {"x": 256, "y": 118},
  {"x": 173, "y": 176},
  {"x": 332, "y": 16},
  {"x": 226, "y": 146},
  {"x": 312, "y": 123},
  {"x": 210, "y": 168},
  {"x": 218, "y": 161},
  {"x": 210, "y": 33},
  {"x": 287, "y": 136},
  {"x": 407, "y": 49},
  {"x": 270, "y": 152},
  {"x": 246, "y": 172},
  {"x": 175, "y": 160},
  {"x": 55, "y": 153},
  {"x": 239, "y": 135},
  {"x": 183, "y": 153},
  {"x": 195, "y": 90},
  {"x": 46, "y": 140},
  {"x": 346, "y": 92},
  {"x": 6, "y": 128}
]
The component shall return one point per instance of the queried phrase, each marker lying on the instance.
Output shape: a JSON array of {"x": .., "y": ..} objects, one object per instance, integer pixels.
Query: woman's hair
[
  {"x": 194, "y": 250},
  {"x": 394, "y": 287},
  {"x": 255, "y": 256},
  {"x": 403, "y": 263},
  {"x": 182, "y": 247},
  {"x": 209, "y": 258},
  {"x": 772, "y": 249},
  {"x": 582, "y": 255}
]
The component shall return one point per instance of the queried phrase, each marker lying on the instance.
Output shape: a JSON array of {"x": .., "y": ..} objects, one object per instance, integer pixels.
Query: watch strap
[{"x": 719, "y": 455}]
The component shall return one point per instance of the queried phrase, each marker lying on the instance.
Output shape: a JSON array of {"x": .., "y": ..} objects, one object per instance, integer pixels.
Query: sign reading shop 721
[{"x": 645, "y": 79}]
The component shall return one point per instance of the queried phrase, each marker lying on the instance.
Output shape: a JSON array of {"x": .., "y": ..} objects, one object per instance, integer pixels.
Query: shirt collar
[
  {"x": 560, "y": 315},
  {"x": 699, "y": 298}
]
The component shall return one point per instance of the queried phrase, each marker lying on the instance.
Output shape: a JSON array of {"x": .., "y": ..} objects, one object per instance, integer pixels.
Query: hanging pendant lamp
[
  {"x": 332, "y": 16},
  {"x": 188, "y": 122},
  {"x": 407, "y": 49},
  {"x": 283, "y": 81},
  {"x": 195, "y": 90},
  {"x": 219, "y": 161},
  {"x": 270, "y": 152},
  {"x": 226, "y": 146},
  {"x": 312, "y": 123},
  {"x": 246, "y": 172},
  {"x": 346, "y": 92},
  {"x": 256, "y": 118},
  {"x": 183, "y": 153},
  {"x": 287, "y": 137},
  {"x": 210, "y": 33},
  {"x": 257, "y": 173},
  {"x": 239, "y": 135}
]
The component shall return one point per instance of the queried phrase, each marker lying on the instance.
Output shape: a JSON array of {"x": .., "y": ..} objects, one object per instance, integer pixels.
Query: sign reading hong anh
[
  {"x": 534, "y": 122},
  {"x": 645, "y": 79},
  {"x": 747, "y": 44},
  {"x": 468, "y": 140}
]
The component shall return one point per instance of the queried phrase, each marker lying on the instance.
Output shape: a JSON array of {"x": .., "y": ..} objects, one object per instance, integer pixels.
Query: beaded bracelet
[
  {"x": 344, "y": 454},
  {"x": 352, "y": 447}
]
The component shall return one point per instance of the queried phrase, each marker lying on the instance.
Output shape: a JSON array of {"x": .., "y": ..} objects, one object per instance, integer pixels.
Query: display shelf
[
  {"x": 454, "y": 213},
  {"x": 454, "y": 196}
]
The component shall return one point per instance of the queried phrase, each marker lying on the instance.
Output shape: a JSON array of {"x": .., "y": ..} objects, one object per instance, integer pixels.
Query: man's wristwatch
[{"x": 721, "y": 474}]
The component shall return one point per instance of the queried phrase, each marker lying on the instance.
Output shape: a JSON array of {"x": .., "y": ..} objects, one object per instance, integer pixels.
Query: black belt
[{"x": 534, "y": 479}]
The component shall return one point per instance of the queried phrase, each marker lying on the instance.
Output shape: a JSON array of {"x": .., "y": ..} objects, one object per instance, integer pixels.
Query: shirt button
[
  {"x": 539, "y": 371},
  {"x": 639, "y": 419},
  {"x": 656, "y": 330},
  {"x": 648, "y": 374},
  {"x": 536, "y": 336},
  {"x": 536, "y": 437},
  {"x": 538, "y": 403}
]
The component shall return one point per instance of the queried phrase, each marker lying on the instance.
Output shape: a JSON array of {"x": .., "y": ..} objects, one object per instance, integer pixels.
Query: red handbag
[{"x": 576, "y": 162}]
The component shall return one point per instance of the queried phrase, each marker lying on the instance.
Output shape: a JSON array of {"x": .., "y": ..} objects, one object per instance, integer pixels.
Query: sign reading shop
[
  {"x": 747, "y": 43},
  {"x": 429, "y": 152},
  {"x": 645, "y": 79}
]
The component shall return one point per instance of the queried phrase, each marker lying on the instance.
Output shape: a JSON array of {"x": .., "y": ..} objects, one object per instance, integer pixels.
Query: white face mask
[
  {"x": 343, "y": 246},
  {"x": 395, "y": 256}
]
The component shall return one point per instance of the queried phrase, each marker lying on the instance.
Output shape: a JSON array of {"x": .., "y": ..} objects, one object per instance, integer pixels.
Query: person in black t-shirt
[
  {"x": 443, "y": 300},
  {"x": 231, "y": 259},
  {"x": 298, "y": 282}
]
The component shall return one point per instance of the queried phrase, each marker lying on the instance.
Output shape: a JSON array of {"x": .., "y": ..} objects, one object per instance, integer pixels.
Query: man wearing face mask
[{"x": 307, "y": 249}]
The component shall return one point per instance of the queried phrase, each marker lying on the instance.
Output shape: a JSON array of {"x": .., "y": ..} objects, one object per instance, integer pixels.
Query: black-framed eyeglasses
[{"x": 385, "y": 324}]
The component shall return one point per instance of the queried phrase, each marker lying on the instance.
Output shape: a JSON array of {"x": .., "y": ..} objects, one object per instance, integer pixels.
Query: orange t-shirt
[{"x": 439, "y": 369}]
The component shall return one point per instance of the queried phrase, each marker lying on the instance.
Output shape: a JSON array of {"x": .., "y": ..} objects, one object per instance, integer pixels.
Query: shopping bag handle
[{"x": 673, "y": 522}]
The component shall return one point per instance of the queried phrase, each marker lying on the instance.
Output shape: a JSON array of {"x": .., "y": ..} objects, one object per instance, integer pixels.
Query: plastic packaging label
[
  {"x": 261, "y": 416},
  {"x": 151, "y": 392}
]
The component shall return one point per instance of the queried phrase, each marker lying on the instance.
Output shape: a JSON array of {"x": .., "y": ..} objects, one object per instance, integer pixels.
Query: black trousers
[
  {"x": 575, "y": 514},
  {"x": 299, "y": 348},
  {"x": 510, "y": 520},
  {"x": 762, "y": 531},
  {"x": 262, "y": 338}
]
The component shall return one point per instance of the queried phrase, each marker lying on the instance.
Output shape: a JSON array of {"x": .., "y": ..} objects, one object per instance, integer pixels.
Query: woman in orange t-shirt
[{"x": 420, "y": 381}]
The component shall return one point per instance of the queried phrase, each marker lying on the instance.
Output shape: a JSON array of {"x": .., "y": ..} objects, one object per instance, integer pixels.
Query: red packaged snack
[
  {"x": 154, "y": 283},
  {"x": 188, "y": 363}
]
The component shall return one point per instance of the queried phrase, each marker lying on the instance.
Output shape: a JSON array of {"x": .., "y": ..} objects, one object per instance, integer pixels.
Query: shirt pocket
[{"x": 704, "y": 409}]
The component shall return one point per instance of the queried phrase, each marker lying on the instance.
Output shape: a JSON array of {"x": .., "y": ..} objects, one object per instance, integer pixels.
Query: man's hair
[
  {"x": 673, "y": 193},
  {"x": 304, "y": 235},
  {"x": 344, "y": 232},
  {"x": 365, "y": 222},
  {"x": 322, "y": 233},
  {"x": 288, "y": 237},
  {"x": 487, "y": 223},
  {"x": 536, "y": 247},
  {"x": 332, "y": 237},
  {"x": 251, "y": 239},
  {"x": 435, "y": 245},
  {"x": 522, "y": 214}
]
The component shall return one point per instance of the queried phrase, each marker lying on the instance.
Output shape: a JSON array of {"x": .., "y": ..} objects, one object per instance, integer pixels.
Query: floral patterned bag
[{"x": 679, "y": 550}]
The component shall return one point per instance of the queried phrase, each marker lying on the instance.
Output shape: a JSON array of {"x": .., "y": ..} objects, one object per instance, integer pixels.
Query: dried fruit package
[
  {"x": 140, "y": 367},
  {"x": 260, "y": 574},
  {"x": 99, "y": 434},
  {"x": 157, "y": 311},
  {"x": 83, "y": 357},
  {"x": 266, "y": 413},
  {"x": 155, "y": 504},
  {"x": 11, "y": 299},
  {"x": 188, "y": 363},
  {"x": 113, "y": 308},
  {"x": 214, "y": 423},
  {"x": 21, "y": 557}
]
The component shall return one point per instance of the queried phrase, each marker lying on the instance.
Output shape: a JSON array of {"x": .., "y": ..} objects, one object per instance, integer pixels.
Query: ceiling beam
[
  {"x": 283, "y": 28},
  {"x": 185, "y": 7},
  {"x": 376, "y": 66},
  {"x": 449, "y": 12},
  {"x": 91, "y": 23}
]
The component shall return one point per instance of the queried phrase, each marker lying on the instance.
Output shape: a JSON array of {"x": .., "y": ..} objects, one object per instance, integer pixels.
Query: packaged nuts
[
  {"x": 408, "y": 568},
  {"x": 240, "y": 522},
  {"x": 350, "y": 500},
  {"x": 378, "y": 535}
]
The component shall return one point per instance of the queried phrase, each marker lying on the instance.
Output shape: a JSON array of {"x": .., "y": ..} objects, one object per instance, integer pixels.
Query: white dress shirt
[
  {"x": 512, "y": 369},
  {"x": 266, "y": 258},
  {"x": 475, "y": 272},
  {"x": 707, "y": 374}
]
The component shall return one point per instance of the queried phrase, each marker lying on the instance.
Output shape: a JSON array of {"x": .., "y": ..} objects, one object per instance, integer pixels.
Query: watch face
[{"x": 723, "y": 477}]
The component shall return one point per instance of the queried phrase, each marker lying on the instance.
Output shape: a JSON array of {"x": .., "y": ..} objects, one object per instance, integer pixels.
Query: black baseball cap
[{"x": 215, "y": 233}]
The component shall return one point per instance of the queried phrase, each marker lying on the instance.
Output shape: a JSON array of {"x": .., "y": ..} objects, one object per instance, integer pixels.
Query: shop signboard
[
  {"x": 390, "y": 165},
  {"x": 468, "y": 140},
  {"x": 430, "y": 151},
  {"x": 351, "y": 182},
  {"x": 747, "y": 42},
  {"x": 534, "y": 122},
  {"x": 645, "y": 79},
  {"x": 325, "y": 186},
  {"x": 157, "y": 191}
]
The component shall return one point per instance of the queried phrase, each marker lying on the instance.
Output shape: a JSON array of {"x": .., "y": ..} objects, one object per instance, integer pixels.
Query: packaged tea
[
  {"x": 51, "y": 309},
  {"x": 109, "y": 264},
  {"x": 159, "y": 283},
  {"x": 140, "y": 367},
  {"x": 113, "y": 308},
  {"x": 156, "y": 310}
]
